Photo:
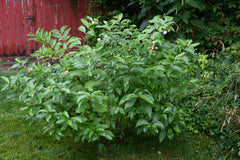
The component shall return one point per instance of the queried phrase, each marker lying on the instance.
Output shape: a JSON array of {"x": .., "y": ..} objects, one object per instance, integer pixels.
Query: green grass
[{"x": 20, "y": 141}]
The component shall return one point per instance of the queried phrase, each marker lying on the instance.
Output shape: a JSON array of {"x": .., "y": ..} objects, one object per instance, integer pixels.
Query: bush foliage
[
  {"x": 127, "y": 82},
  {"x": 214, "y": 108},
  {"x": 214, "y": 24},
  {"x": 139, "y": 78}
]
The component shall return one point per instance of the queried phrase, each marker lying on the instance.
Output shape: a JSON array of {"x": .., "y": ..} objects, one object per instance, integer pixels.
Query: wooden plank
[
  {"x": 48, "y": 13},
  {"x": 52, "y": 15},
  {"x": 4, "y": 26},
  {"x": 60, "y": 13},
  {"x": 6, "y": 37},
  {"x": 42, "y": 17},
  {"x": 31, "y": 10},
  {"x": 75, "y": 15},
  {"x": 83, "y": 13},
  {"x": 45, "y": 14},
  {"x": 12, "y": 46},
  {"x": 38, "y": 23},
  {"x": 1, "y": 28},
  {"x": 68, "y": 15},
  {"x": 25, "y": 24},
  {"x": 29, "y": 25},
  {"x": 20, "y": 27},
  {"x": 64, "y": 17}
]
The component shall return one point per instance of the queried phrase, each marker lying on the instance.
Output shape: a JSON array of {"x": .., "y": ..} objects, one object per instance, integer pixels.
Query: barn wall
[{"x": 18, "y": 18}]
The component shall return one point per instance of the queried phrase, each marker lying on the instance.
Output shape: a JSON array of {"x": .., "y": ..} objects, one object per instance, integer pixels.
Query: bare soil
[{"x": 6, "y": 62}]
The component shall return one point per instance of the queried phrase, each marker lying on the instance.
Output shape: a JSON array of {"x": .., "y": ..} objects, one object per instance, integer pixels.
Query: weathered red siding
[{"x": 18, "y": 18}]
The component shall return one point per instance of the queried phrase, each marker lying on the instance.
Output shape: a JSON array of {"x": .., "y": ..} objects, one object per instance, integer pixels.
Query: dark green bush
[
  {"x": 128, "y": 82},
  {"x": 215, "y": 107},
  {"x": 214, "y": 24}
]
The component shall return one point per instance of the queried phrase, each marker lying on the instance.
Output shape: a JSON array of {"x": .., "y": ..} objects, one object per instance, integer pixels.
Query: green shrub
[
  {"x": 215, "y": 107},
  {"x": 127, "y": 82}
]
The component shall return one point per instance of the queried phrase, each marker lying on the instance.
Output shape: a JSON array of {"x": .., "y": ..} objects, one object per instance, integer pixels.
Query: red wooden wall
[{"x": 18, "y": 18}]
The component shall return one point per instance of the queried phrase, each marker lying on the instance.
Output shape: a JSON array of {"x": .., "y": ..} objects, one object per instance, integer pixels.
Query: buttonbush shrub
[{"x": 125, "y": 82}]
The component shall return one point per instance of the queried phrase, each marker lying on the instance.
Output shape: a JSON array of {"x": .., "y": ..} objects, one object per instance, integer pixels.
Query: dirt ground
[{"x": 6, "y": 62}]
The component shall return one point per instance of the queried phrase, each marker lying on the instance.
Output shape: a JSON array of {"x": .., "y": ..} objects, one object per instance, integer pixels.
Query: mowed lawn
[{"x": 20, "y": 141}]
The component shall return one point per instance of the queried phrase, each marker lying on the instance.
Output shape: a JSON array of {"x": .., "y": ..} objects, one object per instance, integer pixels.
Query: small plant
[{"x": 126, "y": 82}]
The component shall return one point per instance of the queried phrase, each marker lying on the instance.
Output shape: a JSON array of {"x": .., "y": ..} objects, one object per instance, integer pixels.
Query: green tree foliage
[{"x": 214, "y": 24}]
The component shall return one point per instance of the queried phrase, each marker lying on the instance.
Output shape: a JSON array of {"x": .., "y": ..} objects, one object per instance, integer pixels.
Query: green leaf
[
  {"x": 167, "y": 110},
  {"x": 69, "y": 122},
  {"x": 107, "y": 134},
  {"x": 66, "y": 32},
  {"x": 142, "y": 122},
  {"x": 53, "y": 42},
  {"x": 65, "y": 113},
  {"x": 62, "y": 29},
  {"x": 5, "y": 79},
  {"x": 74, "y": 126},
  {"x": 60, "y": 121},
  {"x": 198, "y": 23},
  {"x": 127, "y": 98},
  {"x": 114, "y": 110},
  {"x": 159, "y": 124},
  {"x": 83, "y": 96},
  {"x": 144, "y": 25},
  {"x": 65, "y": 90},
  {"x": 181, "y": 42},
  {"x": 196, "y": 4},
  {"x": 82, "y": 29},
  {"x": 157, "y": 116},
  {"x": 48, "y": 117},
  {"x": 130, "y": 103},
  {"x": 87, "y": 49},
  {"x": 148, "y": 98},
  {"x": 147, "y": 109},
  {"x": 100, "y": 108},
  {"x": 126, "y": 83},
  {"x": 143, "y": 12},
  {"x": 90, "y": 84},
  {"x": 176, "y": 128},
  {"x": 56, "y": 32},
  {"x": 85, "y": 22},
  {"x": 170, "y": 133},
  {"x": 190, "y": 50},
  {"x": 89, "y": 18},
  {"x": 175, "y": 7},
  {"x": 162, "y": 135},
  {"x": 23, "y": 108},
  {"x": 30, "y": 112},
  {"x": 79, "y": 119},
  {"x": 186, "y": 16},
  {"x": 171, "y": 118},
  {"x": 75, "y": 40},
  {"x": 98, "y": 103}
]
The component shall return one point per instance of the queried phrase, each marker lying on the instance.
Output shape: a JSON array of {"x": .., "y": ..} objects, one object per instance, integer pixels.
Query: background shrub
[
  {"x": 214, "y": 24},
  {"x": 215, "y": 107}
]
